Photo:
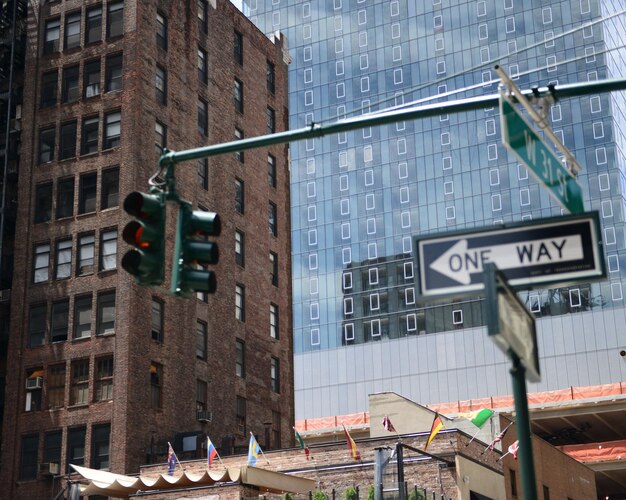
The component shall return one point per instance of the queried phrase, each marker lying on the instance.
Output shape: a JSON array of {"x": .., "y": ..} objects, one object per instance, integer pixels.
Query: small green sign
[{"x": 520, "y": 138}]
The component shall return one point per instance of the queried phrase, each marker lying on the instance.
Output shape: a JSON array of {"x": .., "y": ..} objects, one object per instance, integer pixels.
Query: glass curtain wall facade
[{"x": 360, "y": 198}]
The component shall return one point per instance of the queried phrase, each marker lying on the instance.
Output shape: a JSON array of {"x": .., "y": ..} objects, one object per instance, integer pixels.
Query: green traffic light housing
[
  {"x": 192, "y": 253},
  {"x": 147, "y": 234}
]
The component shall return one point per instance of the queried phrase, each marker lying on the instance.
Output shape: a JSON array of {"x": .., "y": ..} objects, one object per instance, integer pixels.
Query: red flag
[
  {"x": 354, "y": 451},
  {"x": 388, "y": 425},
  {"x": 513, "y": 449}
]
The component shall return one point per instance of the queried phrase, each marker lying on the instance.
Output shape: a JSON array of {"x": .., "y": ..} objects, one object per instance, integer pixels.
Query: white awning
[{"x": 117, "y": 485}]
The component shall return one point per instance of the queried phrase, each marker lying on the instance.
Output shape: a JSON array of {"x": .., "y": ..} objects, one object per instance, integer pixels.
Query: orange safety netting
[
  {"x": 596, "y": 452},
  {"x": 536, "y": 398}
]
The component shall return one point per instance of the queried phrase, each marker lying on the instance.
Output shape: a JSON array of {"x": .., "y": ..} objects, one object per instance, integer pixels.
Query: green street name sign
[{"x": 520, "y": 138}]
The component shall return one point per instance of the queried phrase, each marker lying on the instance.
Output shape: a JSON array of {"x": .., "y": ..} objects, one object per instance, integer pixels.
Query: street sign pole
[{"x": 512, "y": 328}]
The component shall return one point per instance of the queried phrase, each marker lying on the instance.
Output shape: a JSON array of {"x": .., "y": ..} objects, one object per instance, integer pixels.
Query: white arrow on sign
[{"x": 459, "y": 262}]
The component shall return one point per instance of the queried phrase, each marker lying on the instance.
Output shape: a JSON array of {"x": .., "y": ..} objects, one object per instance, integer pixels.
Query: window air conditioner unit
[
  {"x": 204, "y": 416},
  {"x": 49, "y": 468},
  {"x": 34, "y": 383}
]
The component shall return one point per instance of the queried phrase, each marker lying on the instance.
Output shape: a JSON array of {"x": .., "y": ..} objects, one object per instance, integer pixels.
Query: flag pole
[
  {"x": 216, "y": 452},
  {"x": 473, "y": 437},
  {"x": 261, "y": 449},
  {"x": 493, "y": 442}
]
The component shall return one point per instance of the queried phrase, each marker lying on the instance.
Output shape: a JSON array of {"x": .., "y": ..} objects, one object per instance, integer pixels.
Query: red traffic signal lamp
[
  {"x": 147, "y": 234},
  {"x": 190, "y": 251}
]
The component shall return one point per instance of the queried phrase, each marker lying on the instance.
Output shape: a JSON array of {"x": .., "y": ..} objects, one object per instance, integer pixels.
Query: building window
[
  {"x": 274, "y": 268},
  {"x": 55, "y": 386},
  {"x": 104, "y": 379},
  {"x": 275, "y": 375},
  {"x": 271, "y": 171},
  {"x": 63, "y": 259},
  {"x": 69, "y": 90},
  {"x": 75, "y": 447},
  {"x": 240, "y": 361},
  {"x": 106, "y": 314},
  {"x": 160, "y": 137},
  {"x": 239, "y": 248},
  {"x": 157, "y": 320},
  {"x": 59, "y": 321},
  {"x": 239, "y": 196},
  {"x": 238, "y": 39},
  {"x": 271, "y": 120},
  {"x": 79, "y": 390},
  {"x": 37, "y": 325},
  {"x": 47, "y": 137},
  {"x": 546, "y": 492},
  {"x": 112, "y": 130},
  {"x": 274, "y": 321},
  {"x": 49, "y": 89},
  {"x": 41, "y": 263},
  {"x": 203, "y": 173},
  {"x": 86, "y": 251},
  {"x": 43, "y": 202},
  {"x": 72, "y": 30},
  {"x": 240, "y": 302},
  {"x": 100, "y": 437},
  {"x": 91, "y": 78},
  {"x": 115, "y": 19},
  {"x": 203, "y": 117},
  {"x": 113, "y": 73},
  {"x": 156, "y": 385},
  {"x": 202, "y": 16},
  {"x": 202, "y": 65},
  {"x": 201, "y": 340},
  {"x": 89, "y": 139},
  {"x": 276, "y": 437},
  {"x": 82, "y": 317},
  {"x": 87, "y": 193},
  {"x": 109, "y": 197},
  {"x": 272, "y": 219},
  {"x": 65, "y": 198},
  {"x": 34, "y": 379},
  {"x": 271, "y": 77},
  {"x": 240, "y": 415},
  {"x": 67, "y": 148},
  {"x": 238, "y": 96},
  {"x": 161, "y": 34},
  {"x": 52, "y": 443},
  {"x": 108, "y": 250},
  {"x": 93, "y": 25},
  {"x": 28, "y": 457},
  {"x": 201, "y": 395},
  {"x": 160, "y": 85},
  {"x": 52, "y": 36},
  {"x": 239, "y": 155}
]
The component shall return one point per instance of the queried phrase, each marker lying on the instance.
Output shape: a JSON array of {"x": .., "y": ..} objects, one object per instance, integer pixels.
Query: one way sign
[{"x": 559, "y": 252}]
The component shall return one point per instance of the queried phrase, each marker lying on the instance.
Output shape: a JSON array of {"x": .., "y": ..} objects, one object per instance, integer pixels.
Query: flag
[
  {"x": 499, "y": 437},
  {"x": 513, "y": 449},
  {"x": 211, "y": 452},
  {"x": 479, "y": 417},
  {"x": 354, "y": 451},
  {"x": 388, "y": 425},
  {"x": 434, "y": 429},
  {"x": 302, "y": 445},
  {"x": 253, "y": 451},
  {"x": 171, "y": 460}
]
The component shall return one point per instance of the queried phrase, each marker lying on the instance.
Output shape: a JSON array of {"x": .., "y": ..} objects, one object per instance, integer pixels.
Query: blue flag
[
  {"x": 171, "y": 460},
  {"x": 253, "y": 451}
]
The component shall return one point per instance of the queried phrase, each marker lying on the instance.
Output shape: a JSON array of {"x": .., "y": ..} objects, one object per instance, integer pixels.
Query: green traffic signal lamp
[
  {"x": 147, "y": 234},
  {"x": 189, "y": 252}
]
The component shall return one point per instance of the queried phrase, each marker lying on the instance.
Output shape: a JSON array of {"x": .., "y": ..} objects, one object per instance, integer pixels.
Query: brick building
[{"x": 103, "y": 372}]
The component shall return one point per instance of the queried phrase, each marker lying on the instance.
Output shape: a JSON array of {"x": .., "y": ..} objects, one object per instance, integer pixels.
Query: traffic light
[
  {"x": 190, "y": 251},
  {"x": 147, "y": 234}
]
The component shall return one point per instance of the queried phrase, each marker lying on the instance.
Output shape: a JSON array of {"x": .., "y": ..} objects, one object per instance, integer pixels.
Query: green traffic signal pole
[{"x": 170, "y": 158}]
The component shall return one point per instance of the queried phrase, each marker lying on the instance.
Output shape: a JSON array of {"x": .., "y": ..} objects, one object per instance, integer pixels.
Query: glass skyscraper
[{"x": 359, "y": 199}]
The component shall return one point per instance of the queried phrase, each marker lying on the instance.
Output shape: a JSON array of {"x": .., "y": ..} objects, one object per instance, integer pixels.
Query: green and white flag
[{"x": 478, "y": 417}]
